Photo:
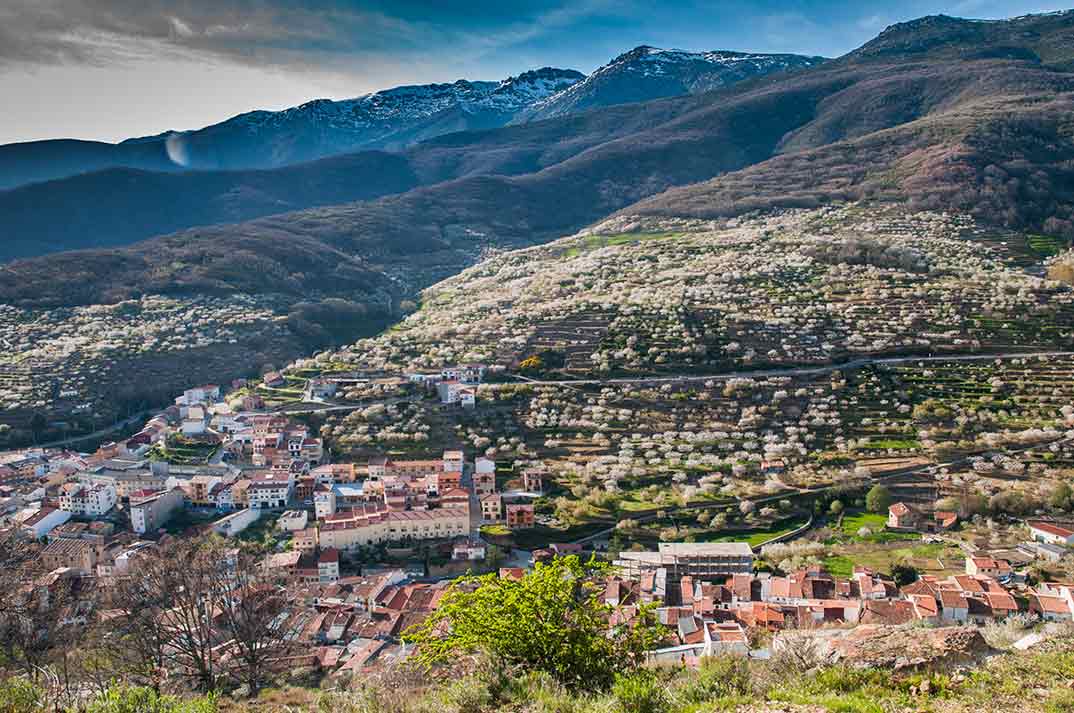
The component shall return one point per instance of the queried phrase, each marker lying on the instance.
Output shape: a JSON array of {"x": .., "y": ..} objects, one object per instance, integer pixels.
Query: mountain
[
  {"x": 645, "y": 73},
  {"x": 941, "y": 127},
  {"x": 390, "y": 119},
  {"x": 988, "y": 134},
  {"x": 34, "y": 161},
  {"x": 121, "y": 205},
  {"x": 1044, "y": 39}
]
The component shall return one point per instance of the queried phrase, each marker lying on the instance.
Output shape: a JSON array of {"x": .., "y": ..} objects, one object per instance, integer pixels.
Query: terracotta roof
[
  {"x": 952, "y": 599},
  {"x": 887, "y": 611},
  {"x": 1052, "y": 529},
  {"x": 1051, "y": 605},
  {"x": 924, "y": 605}
]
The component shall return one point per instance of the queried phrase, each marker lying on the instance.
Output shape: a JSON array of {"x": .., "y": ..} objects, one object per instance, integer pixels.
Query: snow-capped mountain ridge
[{"x": 645, "y": 73}]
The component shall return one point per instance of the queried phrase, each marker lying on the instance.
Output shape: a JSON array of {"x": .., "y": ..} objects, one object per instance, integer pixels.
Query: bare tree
[
  {"x": 168, "y": 608},
  {"x": 260, "y": 621}
]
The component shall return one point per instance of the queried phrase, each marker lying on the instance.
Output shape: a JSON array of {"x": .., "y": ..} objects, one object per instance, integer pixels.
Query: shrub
[
  {"x": 145, "y": 700},
  {"x": 17, "y": 695},
  {"x": 718, "y": 677},
  {"x": 553, "y": 620},
  {"x": 878, "y": 499},
  {"x": 1061, "y": 702},
  {"x": 641, "y": 691}
]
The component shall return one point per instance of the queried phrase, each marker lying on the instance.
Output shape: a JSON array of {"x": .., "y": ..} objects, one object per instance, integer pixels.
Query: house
[
  {"x": 467, "y": 397},
  {"x": 152, "y": 511},
  {"x": 533, "y": 480},
  {"x": 1050, "y": 608},
  {"x": 453, "y": 462},
  {"x": 484, "y": 476},
  {"x": 252, "y": 402},
  {"x": 988, "y": 567},
  {"x": 293, "y": 520},
  {"x": 87, "y": 500},
  {"x": 270, "y": 490},
  {"x": 465, "y": 549},
  {"x": 372, "y": 525},
  {"x": 1051, "y": 533},
  {"x": 305, "y": 540},
  {"x": 725, "y": 638},
  {"x": 492, "y": 508},
  {"x": 520, "y": 516},
  {"x": 321, "y": 389},
  {"x": 696, "y": 559},
  {"x": 273, "y": 380},
  {"x": 40, "y": 523},
  {"x": 456, "y": 392},
  {"x": 328, "y": 566},
  {"x": 953, "y": 606},
  {"x": 913, "y": 518},
  {"x": 76, "y": 554},
  {"x": 209, "y": 393}
]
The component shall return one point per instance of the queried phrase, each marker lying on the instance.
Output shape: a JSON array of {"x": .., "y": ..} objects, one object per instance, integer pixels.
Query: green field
[
  {"x": 595, "y": 242},
  {"x": 757, "y": 537}
]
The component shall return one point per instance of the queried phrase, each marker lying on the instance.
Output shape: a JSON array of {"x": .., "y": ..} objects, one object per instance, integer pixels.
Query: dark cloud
[{"x": 330, "y": 36}]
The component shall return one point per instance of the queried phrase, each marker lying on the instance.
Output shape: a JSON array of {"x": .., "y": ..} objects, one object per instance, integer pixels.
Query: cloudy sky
[{"x": 111, "y": 69}]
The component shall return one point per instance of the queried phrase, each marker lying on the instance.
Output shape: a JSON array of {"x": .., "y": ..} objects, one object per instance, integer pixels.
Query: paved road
[{"x": 793, "y": 371}]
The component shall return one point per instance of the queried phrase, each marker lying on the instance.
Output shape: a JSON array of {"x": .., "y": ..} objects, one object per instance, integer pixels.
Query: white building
[
  {"x": 236, "y": 522},
  {"x": 87, "y": 500},
  {"x": 151, "y": 513},
  {"x": 271, "y": 490},
  {"x": 1051, "y": 533},
  {"x": 40, "y": 523},
  {"x": 725, "y": 638},
  {"x": 324, "y": 502},
  {"x": 293, "y": 520},
  {"x": 328, "y": 566}
]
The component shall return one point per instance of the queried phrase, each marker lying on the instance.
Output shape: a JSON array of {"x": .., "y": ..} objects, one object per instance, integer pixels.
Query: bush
[
  {"x": 17, "y": 695},
  {"x": 145, "y": 700},
  {"x": 640, "y": 692},
  {"x": 1061, "y": 702},
  {"x": 718, "y": 677},
  {"x": 878, "y": 499},
  {"x": 553, "y": 620}
]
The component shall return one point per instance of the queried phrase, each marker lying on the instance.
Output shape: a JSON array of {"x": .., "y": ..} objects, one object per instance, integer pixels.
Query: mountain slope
[
  {"x": 1003, "y": 152},
  {"x": 1044, "y": 39},
  {"x": 389, "y": 119},
  {"x": 121, "y": 205},
  {"x": 646, "y": 73},
  {"x": 844, "y": 128},
  {"x": 34, "y": 161}
]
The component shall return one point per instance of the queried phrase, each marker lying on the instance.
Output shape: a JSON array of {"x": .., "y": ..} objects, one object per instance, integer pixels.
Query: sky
[{"x": 112, "y": 69}]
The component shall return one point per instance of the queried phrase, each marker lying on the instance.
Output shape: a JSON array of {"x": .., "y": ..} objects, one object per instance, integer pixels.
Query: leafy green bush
[
  {"x": 718, "y": 677},
  {"x": 641, "y": 691},
  {"x": 553, "y": 619},
  {"x": 17, "y": 695},
  {"x": 1061, "y": 702},
  {"x": 145, "y": 700}
]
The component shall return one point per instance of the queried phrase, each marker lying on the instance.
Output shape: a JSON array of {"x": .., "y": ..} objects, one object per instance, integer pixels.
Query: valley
[{"x": 708, "y": 381}]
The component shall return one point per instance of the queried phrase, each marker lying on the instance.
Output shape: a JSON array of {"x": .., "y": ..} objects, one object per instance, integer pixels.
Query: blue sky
[{"x": 110, "y": 69}]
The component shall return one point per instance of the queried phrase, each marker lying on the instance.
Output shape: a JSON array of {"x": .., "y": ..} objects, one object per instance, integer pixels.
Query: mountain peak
[
  {"x": 1040, "y": 38},
  {"x": 647, "y": 72}
]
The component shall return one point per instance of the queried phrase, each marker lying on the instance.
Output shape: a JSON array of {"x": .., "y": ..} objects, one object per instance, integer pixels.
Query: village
[{"x": 371, "y": 547}]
